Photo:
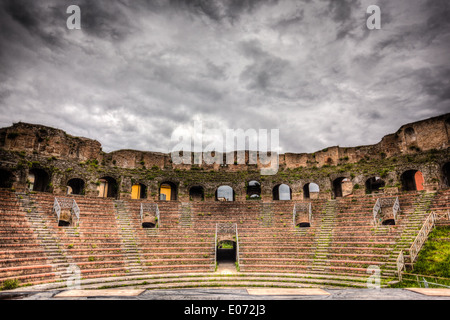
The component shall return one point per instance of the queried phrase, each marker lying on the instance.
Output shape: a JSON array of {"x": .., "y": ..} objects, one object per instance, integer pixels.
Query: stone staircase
[
  {"x": 266, "y": 215},
  {"x": 110, "y": 242},
  {"x": 324, "y": 236},
  {"x": 54, "y": 250},
  {"x": 186, "y": 215},
  {"x": 411, "y": 226},
  {"x": 129, "y": 242}
]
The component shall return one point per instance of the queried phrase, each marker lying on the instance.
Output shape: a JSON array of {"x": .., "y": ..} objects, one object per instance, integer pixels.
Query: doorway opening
[{"x": 226, "y": 251}]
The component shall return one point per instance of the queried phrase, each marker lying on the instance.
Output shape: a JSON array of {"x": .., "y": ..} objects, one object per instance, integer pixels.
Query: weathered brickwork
[{"x": 420, "y": 146}]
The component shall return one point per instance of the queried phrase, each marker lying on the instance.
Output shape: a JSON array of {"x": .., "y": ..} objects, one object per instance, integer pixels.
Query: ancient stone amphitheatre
[{"x": 73, "y": 215}]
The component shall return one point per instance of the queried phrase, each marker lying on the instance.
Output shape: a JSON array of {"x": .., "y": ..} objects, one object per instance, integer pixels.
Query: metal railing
[
  {"x": 151, "y": 208},
  {"x": 66, "y": 203},
  {"x": 237, "y": 248},
  {"x": 301, "y": 207},
  {"x": 76, "y": 210},
  {"x": 426, "y": 283},
  {"x": 57, "y": 209},
  {"x": 443, "y": 215},
  {"x": 383, "y": 203},
  {"x": 215, "y": 248},
  {"x": 376, "y": 210},
  {"x": 396, "y": 208},
  {"x": 225, "y": 228},
  {"x": 422, "y": 236},
  {"x": 400, "y": 264}
]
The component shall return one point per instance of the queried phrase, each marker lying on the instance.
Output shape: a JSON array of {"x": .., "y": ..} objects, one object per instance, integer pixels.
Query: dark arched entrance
[
  {"x": 412, "y": 180},
  {"x": 337, "y": 187},
  {"x": 168, "y": 191},
  {"x": 38, "y": 180},
  {"x": 374, "y": 184},
  {"x": 225, "y": 193},
  {"x": 75, "y": 186},
  {"x": 6, "y": 179},
  {"x": 253, "y": 190},
  {"x": 388, "y": 222},
  {"x": 446, "y": 173},
  {"x": 304, "y": 225},
  {"x": 226, "y": 251},
  {"x": 196, "y": 193},
  {"x": 139, "y": 191},
  {"x": 282, "y": 192},
  {"x": 310, "y": 190},
  {"x": 108, "y": 187}
]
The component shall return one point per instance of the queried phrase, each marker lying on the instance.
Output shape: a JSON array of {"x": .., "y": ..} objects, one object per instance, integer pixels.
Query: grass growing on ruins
[
  {"x": 433, "y": 263},
  {"x": 10, "y": 284},
  {"x": 434, "y": 258}
]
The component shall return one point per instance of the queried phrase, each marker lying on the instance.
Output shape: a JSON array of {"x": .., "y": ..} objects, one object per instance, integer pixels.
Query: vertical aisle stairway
[
  {"x": 324, "y": 236},
  {"x": 412, "y": 223},
  {"x": 47, "y": 237},
  {"x": 128, "y": 238}
]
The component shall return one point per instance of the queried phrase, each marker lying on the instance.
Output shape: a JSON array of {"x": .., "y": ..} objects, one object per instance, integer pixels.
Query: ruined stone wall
[
  {"x": 425, "y": 135},
  {"x": 50, "y": 142},
  {"x": 25, "y": 147}
]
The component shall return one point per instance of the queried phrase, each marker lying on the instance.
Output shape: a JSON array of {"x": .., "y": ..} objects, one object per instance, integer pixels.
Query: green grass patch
[
  {"x": 434, "y": 258},
  {"x": 10, "y": 284},
  {"x": 433, "y": 262}
]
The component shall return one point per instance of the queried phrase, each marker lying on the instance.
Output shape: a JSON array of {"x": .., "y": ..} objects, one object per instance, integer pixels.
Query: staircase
[
  {"x": 412, "y": 225},
  {"x": 129, "y": 242},
  {"x": 266, "y": 215},
  {"x": 186, "y": 215},
  {"x": 324, "y": 236},
  {"x": 54, "y": 250}
]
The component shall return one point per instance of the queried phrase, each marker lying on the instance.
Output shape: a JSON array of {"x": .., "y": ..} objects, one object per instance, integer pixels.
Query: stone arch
[
  {"x": 337, "y": 186},
  {"x": 282, "y": 192},
  {"x": 108, "y": 187},
  {"x": 311, "y": 190},
  {"x": 225, "y": 193},
  {"x": 446, "y": 174},
  {"x": 374, "y": 184},
  {"x": 253, "y": 190},
  {"x": 139, "y": 191},
  {"x": 75, "y": 186},
  {"x": 168, "y": 191},
  {"x": 6, "y": 178},
  {"x": 197, "y": 193},
  {"x": 412, "y": 180},
  {"x": 38, "y": 180}
]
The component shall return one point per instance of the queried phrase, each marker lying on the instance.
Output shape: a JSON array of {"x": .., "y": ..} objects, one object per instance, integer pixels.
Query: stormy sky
[{"x": 139, "y": 70}]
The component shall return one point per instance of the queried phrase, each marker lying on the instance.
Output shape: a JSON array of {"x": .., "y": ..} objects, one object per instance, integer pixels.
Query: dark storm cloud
[
  {"x": 106, "y": 19},
  {"x": 140, "y": 70},
  {"x": 341, "y": 11},
  {"x": 219, "y": 10},
  {"x": 34, "y": 19},
  {"x": 266, "y": 70}
]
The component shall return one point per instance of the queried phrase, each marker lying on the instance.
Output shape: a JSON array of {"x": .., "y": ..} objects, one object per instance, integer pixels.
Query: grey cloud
[
  {"x": 341, "y": 11},
  {"x": 139, "y": 69},
  {"x": 219, "y": 10}
]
